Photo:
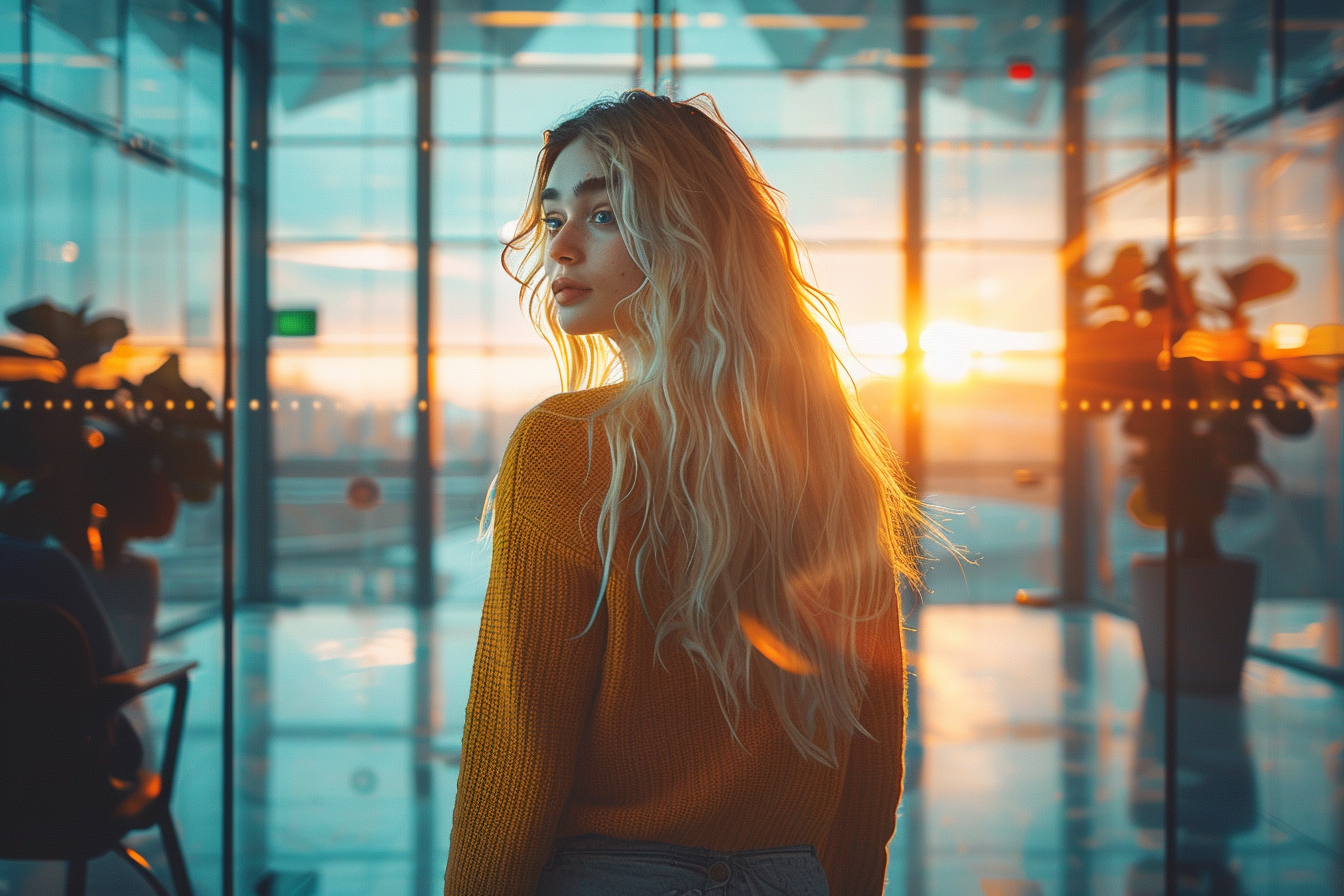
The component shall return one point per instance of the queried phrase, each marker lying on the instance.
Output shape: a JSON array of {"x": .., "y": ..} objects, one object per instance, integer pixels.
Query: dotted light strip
[
  {"x": 1130, "y": 404},
  {"x": 169, "y": 405},
  {"x": 1105, "y": 404}
]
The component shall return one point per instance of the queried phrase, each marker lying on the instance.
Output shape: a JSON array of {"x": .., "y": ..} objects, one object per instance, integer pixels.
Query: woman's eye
[
  {"x": 551, "y": 224},
  {"x": 604, "y": 216}
]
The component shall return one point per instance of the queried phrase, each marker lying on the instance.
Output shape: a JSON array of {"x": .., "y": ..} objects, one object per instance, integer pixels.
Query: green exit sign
[{"x": 294, "y": 322}]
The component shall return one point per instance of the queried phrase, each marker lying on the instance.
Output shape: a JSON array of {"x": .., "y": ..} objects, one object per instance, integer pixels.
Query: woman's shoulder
[
  {"x": 581, "y": 403},
  {"x": 555, "y": 464},
  {"x": 565, "y": 415},
  {"x": 559, "y": 443}
]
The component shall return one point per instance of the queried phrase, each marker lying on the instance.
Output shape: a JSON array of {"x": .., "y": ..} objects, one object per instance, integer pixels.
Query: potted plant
[
  {"x": 1225, "y": 379},
  {"x": 96, "y": 462}
]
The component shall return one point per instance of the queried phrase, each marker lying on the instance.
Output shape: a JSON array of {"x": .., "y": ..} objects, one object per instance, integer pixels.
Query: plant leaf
[
  {"x": 78, "y": 342},
  {"x": 30, "y": 368},
  {"x": 1121, "y": 281},
  {"x": 1260, "y": 279},
  {"x": 166, "y": 384}
]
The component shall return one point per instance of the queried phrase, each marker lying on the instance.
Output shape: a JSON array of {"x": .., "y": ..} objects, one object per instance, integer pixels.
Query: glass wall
[
  {"x": 993, "y": 323},
  {"x": 341, "y": 240},
  {"x": 1259, "y": 244},
  {"x": 110, "y": 197},
  {"x": 1226, "y": 433}
]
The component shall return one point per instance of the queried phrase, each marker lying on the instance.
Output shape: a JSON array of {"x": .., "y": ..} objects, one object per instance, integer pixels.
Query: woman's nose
[{"x": 565, "y": 246}]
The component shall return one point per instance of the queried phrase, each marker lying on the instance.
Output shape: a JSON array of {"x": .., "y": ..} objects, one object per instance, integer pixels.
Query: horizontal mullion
[{"x": 848, "y": 244}]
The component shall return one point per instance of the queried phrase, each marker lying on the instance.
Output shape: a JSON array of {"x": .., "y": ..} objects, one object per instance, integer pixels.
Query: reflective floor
[{"x": 1034, "y": 759}]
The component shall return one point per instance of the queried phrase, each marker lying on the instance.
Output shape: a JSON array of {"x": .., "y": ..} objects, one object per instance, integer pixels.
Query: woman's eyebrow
[{"x": 590, "y": 185}]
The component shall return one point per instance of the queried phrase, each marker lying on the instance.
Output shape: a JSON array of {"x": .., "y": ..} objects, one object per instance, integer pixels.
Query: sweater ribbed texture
[{"x": 589, "y": 735}]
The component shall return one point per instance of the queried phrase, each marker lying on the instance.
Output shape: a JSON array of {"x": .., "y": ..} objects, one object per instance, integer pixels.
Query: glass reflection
[{"x": 1217, "y": 796}]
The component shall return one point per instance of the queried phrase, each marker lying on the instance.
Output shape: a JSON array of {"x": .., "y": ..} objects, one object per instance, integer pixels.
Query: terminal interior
[{"x": 987, "y": 190}]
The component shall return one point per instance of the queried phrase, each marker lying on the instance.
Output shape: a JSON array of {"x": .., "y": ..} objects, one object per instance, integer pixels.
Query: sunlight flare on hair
[{"x": 772, "y": 648}]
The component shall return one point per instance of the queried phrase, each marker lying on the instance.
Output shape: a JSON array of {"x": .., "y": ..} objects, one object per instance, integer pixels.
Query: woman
[{"x": 689, "y": 675}]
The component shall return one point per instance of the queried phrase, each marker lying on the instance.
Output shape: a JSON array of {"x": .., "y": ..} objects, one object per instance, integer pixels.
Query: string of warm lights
[
  {"x": 1146, "y": 404},
  {"x": 111, "y": 405},
  {"x": 1085, "y": 404}
]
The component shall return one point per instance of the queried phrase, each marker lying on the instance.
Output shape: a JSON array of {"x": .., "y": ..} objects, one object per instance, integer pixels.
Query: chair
[{"x": 58, "y": 798}]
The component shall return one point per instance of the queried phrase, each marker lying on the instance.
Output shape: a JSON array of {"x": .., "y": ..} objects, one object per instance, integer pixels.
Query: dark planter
[
  {"x": 128, "y": 589},
  {"x": 1214, "y": 600}
]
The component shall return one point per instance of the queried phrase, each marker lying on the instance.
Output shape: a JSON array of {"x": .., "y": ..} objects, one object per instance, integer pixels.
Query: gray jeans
[{"x": 594, "y": 865}]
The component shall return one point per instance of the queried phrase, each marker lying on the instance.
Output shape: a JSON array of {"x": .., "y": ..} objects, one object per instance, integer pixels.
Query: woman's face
[{"x": 589, "y": 267}]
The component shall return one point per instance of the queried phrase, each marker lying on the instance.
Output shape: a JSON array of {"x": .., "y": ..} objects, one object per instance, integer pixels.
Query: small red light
[{"x": 1021, "y": 71}]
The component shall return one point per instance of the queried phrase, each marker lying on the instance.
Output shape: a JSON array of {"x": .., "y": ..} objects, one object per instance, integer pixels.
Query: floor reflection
[
  {"x": 1034, "y": 762},
  {"x": 1216, "y": 792}
]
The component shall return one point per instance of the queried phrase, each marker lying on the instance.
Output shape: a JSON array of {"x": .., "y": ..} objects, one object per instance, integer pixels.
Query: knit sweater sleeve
[
  {"x": 532, "y": 686},
  {"x": 854, "y": 853}
]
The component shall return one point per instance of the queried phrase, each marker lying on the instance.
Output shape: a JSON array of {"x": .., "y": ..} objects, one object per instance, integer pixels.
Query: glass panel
[
  {"x": 155, "y": 92},
  {"x": 1255, "y": 213},
  {"x": 1225, "y": 66},
  {"x": 11, "y": 41},
  {"x": 76, "y": 48},
  {"x": 856, "y": 106},
  {"x": 1126, "y": 98},
  {"x": 342, "y": 35},
  {"x": 341, "y": 412},
  {"x": 318, "y": 106},
  {"x": 1313, "y": 44},
  {"x": 1126, "y": 124},
  {"x": 1261, "y": 455},
  {"x": 1113, "y": 388},
  {"x": 312, "y": 197},
  {"x": 15, "y": 261},
  {"x": 202, "y": 130},
  {"x": 992, "y": 424},
  {"x": 528, "y": 99},
  {"x": 137, "y": 507},
  {"x": 328, "y": 739},
  {"x": 995, "y": 192},
  {"x": 1267, "y": 197}
]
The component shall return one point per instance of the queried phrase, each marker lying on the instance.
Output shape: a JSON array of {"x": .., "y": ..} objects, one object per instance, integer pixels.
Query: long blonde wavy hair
[{"x": 763, "y": 498}]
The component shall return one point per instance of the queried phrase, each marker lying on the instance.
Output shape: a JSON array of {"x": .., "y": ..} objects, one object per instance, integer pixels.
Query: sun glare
[{"x": 953, "y": 349}]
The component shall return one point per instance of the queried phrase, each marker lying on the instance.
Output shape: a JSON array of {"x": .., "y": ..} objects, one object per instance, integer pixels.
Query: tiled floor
[{"x": 1034, "y": 761}]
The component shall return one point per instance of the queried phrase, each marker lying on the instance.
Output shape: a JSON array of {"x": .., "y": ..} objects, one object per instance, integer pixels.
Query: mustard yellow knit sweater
[{"x": 568, "y": 736}]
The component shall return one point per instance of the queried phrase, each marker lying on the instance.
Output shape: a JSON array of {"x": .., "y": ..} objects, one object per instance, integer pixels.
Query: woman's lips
[{"x": 570, "y": 294}]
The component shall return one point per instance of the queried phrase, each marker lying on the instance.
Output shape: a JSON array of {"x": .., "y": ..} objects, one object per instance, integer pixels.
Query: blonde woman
[{"x": 689, "y": 676}]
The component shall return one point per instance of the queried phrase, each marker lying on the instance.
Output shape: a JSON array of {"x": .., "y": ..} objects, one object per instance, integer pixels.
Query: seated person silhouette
[{"x": 33, "y": 571}]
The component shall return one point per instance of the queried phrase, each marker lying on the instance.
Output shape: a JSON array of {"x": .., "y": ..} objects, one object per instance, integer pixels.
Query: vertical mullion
[
  {"x": 422, "y": 473},
  {"x": 256, "y": 505},
  {"x": 26, "y": 46},
  {"x": 28, "y": 275},
  {"x": 913, "y": 380},
  {"x": 227, "y": 538},
  {"x": 674, "y": 50},
  {"x": 1177, "y": 430},
  {"x": 255, "y": 495},
  {"x": 1073, "y": 520},
  {"x": 912, "y": 49},
  {"x": 1276, "y": 53},
  {"x": 657, "y": 23},
  {"x": 422, "y": 508},
  {"x": 123, "y": 36}
]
